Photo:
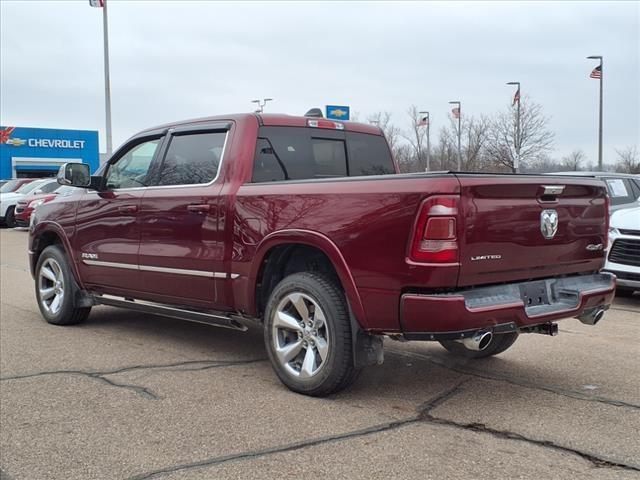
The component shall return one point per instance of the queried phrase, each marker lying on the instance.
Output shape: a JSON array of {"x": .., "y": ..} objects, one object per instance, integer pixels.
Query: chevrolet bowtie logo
[{"x": 16, "y": 142}]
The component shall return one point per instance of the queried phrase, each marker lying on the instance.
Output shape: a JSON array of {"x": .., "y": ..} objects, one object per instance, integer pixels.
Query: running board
[{"x": 218, "y": 319}]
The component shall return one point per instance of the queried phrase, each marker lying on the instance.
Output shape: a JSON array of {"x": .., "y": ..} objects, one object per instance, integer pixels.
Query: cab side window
[
  {"x": 192, "y": 159},
  {"x": 132, "y": 169}
]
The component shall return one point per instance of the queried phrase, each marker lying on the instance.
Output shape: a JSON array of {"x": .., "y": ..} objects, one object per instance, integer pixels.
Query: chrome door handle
[
  {"x": 199, "y": 208},
  {"x": 128, "y": 208}
]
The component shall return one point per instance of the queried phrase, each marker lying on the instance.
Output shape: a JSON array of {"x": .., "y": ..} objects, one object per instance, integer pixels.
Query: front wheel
[
  {"x": 308, "y": 335},
  {"x": 497, "y": 344},
  {"x": 55, "y": 288}
]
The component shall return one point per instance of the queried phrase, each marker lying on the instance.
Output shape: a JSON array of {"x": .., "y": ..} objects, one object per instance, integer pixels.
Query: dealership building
[{"x": 39, "y": 152}]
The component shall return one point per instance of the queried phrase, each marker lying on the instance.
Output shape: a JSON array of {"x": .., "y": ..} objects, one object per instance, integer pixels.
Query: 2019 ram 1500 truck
[{"x": 305, "y": 225}]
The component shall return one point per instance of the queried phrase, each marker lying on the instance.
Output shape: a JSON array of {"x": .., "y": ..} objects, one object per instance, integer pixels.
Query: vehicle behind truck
[{"x": 304, "y": 226}]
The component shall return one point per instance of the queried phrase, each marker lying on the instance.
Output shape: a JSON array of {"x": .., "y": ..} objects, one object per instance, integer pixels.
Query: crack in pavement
[
  {"x": 423, "y": 416},
  {"x": 297, "y": 445},
  {"x": 515, "y": 381},
  {"x": 625, "y": 309},
  {"x": 188, "y": 366}
]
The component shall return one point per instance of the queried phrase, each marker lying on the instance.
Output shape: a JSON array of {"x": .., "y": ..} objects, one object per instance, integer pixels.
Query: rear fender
[{"x": 324, "y": 244}]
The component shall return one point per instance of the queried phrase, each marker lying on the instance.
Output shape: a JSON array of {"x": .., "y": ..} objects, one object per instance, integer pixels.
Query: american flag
[
  {"x": 6, "y": 134},
  {"x": 596, "y": 72},
  {"x": 456, "y": 112},
  {"x": 516, "y": 97},
  {"x": 96, "y": 3},
  {"x": 424, "y": 121}
]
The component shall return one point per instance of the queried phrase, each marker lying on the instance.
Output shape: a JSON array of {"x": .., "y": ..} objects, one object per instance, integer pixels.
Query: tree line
[{"x": 489, "y": 144}]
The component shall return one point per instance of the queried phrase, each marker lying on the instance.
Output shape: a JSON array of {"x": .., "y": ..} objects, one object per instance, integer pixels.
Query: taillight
[{"x": 435, "y": 237}]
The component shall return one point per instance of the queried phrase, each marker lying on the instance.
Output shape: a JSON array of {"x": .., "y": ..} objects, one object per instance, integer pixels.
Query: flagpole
[
  {"x": 598, "y": 57},
  {"x": 600, "y": 120},
  {"x": 428, "y": 143},
  {"x": 516, "y": 161},
  {"x": 107, "y": 82},
  {"x": 459, "y": 119}
]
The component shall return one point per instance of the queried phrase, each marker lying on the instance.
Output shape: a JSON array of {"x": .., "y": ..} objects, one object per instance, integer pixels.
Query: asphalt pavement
[{"x": 133, "y": 396}]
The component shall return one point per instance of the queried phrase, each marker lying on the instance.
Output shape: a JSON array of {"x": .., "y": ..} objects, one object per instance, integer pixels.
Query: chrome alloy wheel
[
  {"x": 300, "y": 335},
  {"x": 51, "y": 286}
]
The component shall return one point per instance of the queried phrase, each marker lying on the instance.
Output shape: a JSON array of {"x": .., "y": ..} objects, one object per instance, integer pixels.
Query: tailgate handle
[
  {"x": 199, "y": 208},
  {"x": 550, "y": 192}
]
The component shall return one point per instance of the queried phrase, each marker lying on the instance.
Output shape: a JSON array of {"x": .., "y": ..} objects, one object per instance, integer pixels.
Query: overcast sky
[{"x": 172, "y": 60}]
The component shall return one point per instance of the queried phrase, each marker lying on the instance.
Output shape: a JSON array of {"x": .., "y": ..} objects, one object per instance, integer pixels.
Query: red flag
[
  {"x": 96, "y": 3},
  {"x": 596, "y": 72},
  {"x": 456, "y": 112},
  {"x": 516, "y": 97},
  {"x": 6, "y": 134}
]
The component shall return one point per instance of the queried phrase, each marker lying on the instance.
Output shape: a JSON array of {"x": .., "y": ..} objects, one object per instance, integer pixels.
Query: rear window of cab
[{"x": 300, "y": 153}]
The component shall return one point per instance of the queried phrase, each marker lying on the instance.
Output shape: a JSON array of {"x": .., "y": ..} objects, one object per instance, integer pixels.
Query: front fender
[{"x": 36, "y": 232}]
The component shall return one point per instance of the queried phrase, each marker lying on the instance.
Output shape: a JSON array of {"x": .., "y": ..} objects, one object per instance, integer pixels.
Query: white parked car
[
  {"x": 623, "y": 257},
  {"x": 8, "y": 201}
]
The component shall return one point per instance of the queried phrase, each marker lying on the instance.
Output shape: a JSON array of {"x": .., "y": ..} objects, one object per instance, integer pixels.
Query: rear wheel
[
  {"x": 55, "y": 288},
  {"x": 498, "y": 344},
  {"x": 10, "y": 218},
  {"x": 308, "y": 335}
]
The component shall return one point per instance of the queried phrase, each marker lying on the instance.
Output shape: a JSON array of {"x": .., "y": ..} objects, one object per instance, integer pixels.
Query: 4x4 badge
[{"x": 549, "y": 223}]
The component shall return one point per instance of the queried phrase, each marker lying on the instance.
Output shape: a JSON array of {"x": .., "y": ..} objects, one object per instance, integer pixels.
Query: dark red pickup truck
[{"x": 304, "y": 225}]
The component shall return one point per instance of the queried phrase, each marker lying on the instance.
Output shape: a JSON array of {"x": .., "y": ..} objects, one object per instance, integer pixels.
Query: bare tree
[
  {"x": 417, "y": 138},
  {"x": 573, "y": 161},
  {"x": 628, "y": 160},
  {"x": 391, "y": 132},
  {"x": 474, "y": 138},
  {"x": 535, "y": 140}
]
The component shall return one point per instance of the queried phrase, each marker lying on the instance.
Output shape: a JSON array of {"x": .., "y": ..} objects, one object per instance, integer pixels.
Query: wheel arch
[
  {"x": 277, "y": 250},
  {"x": 44, "y": 235}
]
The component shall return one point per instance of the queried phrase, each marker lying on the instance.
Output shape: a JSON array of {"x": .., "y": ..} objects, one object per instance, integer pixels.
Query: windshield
[
  {"x": 28, "y": 187},
  {"x": 9, "y": 186}
]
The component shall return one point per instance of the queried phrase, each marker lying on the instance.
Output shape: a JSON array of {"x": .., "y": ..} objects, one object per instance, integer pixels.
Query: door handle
[
  {"x": 128, "y": 208},
  {"x": 199, "y": 208}
]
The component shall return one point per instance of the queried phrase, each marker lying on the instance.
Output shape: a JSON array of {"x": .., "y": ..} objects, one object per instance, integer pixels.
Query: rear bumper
[{"x": 501, "y": 307}]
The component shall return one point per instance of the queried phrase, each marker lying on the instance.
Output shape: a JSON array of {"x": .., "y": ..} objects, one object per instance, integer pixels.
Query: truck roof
[{"x": 271, "y": 120}]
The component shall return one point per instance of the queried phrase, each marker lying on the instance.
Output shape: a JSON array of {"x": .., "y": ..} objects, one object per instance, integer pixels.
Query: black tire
[
  {"x": 66, "y": 313},
  {"x": 498, "y": 344},
  {"x": 624, "y": 292},
  {"x": 10, "y": 217},
  {"x": 337, "y": 370}
]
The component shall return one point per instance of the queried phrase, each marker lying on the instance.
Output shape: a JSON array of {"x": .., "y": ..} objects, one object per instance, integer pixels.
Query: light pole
[
  {"x": 261, "y": 104},
  {"x": 107, "y": 81},
  {"x": 428, "y": 144},
  {"x": 458, "y": 116},
  {"x": 516, "y": 98},
  {"x": 599, "y": 57}
]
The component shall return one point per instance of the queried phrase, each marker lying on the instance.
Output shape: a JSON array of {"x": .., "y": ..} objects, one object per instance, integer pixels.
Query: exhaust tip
[
  {"x": 592, "y": 316},
  {"x": 479, "y": 341},
  {"x": 485, "y": 340}
]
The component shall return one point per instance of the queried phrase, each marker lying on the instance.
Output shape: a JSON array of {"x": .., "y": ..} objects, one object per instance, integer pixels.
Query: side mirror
[
  {"x": 38, "y": 192},
  {"x": 74, "y": 174}
]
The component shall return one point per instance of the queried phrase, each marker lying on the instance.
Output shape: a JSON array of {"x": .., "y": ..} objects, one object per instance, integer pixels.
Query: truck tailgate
[{"x": 508, "y": 224}]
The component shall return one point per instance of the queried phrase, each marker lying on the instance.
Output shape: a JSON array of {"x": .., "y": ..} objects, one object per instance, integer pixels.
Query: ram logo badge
[
  {"x": 549, "y": 223},
  {"x": 90, "y": 256}
]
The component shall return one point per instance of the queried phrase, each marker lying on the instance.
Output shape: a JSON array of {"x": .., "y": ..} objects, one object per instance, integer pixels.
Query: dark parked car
[{"x": 304, "y": 226}]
